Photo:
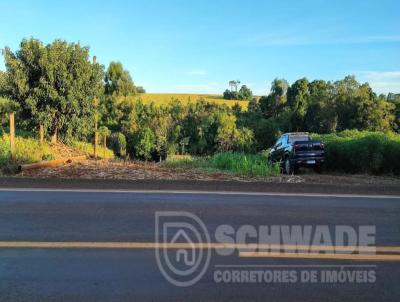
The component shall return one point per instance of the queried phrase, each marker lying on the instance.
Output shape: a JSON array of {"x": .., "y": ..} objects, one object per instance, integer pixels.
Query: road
[{"x": 112, "y": 273}]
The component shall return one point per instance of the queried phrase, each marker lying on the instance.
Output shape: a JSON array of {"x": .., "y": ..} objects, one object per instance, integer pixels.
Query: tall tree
[
  {"x": 3, "y": 83},
  {"x": 118, "y": 81},
  {"x": 275, "y": 102},
  {"x": 234, "y": 84},
  {"x": 245, "y": 93},
  {"x": 298, "y": 99},
  {"x": 55, "y": 85}
]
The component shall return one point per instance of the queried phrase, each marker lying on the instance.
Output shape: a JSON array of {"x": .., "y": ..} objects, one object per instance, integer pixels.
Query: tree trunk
[
  {"x": 12, "y": 137},
  {"x": 41, "y": 132},
  {"x": 105, "y": 146},
  {"x": 53, "y": 139}
]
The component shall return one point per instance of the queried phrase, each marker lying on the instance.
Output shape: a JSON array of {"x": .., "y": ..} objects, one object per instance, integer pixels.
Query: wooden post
[
  {"x": 104, "y": 145},
  {"x": 41, "y": 133},
  {"x": 12, "y": 137},
  {"x": 96, "y": 143},
  {"x": 96, "y": 133}
]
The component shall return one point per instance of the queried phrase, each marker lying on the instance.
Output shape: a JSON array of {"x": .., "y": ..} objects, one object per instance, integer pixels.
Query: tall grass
[
  {"x": 241, "y": 164},
  {"x": 89, "y": 149},
  {"x": 353, "y": 151},
  {"x": 28, "y": 150}
]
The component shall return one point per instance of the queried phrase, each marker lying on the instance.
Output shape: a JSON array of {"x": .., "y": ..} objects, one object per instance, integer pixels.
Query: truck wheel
[{"x": 288, "y": 168}]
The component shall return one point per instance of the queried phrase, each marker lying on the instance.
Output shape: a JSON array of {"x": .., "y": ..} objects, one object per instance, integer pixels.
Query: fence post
[
  {"x": 12, "y": 137},
  {"x": 41, "y": 132},
  {"x": 96, "y": 142},
  {"x": 96, "y": 133}
]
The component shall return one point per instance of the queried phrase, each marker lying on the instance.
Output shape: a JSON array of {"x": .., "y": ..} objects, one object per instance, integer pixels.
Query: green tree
[
  {"x": 118, "y": 81},
  {"x": 321, "y": 116},
  {"x": 3, "y": 83},
  {"x": 104, "y": 132},
  {"x": 245, "y": 93},
  {"x": 55, "y": 85},
  {"x": 145, "y": 143},
  {"x": 298, "y": 100},
  {"x": 275, "y": 102},
  {"x": 6, "y": 106}
]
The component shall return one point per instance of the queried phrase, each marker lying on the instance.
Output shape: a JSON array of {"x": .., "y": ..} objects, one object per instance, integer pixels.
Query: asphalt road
[{"x": 118, "y": 274}]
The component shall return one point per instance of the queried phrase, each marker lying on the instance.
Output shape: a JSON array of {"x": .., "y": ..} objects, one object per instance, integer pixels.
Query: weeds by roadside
[{"x": 241, "y": 164}]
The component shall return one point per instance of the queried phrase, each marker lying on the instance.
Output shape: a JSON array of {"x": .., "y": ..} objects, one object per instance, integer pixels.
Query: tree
[
  {"x": 275, "y": 102},
  {"x": 6, "y": 106},
  {"x": 234, "y": 84},
  {"x": 321, "y": 116},
  {"x": 140, "y": 89},
  {"x": 298, "y": 100},
  {"x": 3, "y": 83},
  {"x": 230, "y": 95},
  {"x": 245, "y": 93},
  {"x": 55, "y": 85},
  {"x": 118, "y": 81},
  {"x": 145, "y": 143},
  {"x": 395, "y": 100},
  {"x": 104, "y": 132}
]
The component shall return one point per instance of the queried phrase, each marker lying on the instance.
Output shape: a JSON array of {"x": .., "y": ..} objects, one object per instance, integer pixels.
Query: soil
[{"x": 135, "y": 170}]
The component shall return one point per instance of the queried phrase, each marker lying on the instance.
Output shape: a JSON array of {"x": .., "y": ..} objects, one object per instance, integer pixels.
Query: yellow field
[{"x": 164, "y": 98}]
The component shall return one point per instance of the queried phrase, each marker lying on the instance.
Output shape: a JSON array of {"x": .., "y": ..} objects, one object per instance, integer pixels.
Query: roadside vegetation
[
  {"x": 58, "y": 86},
  {"x": 240, "y": 164},
  {"x": 353, "y": 151},
  {"x": 29, "y": 150}
]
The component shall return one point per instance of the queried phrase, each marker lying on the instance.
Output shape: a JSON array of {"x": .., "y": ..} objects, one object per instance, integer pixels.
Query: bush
[
  {"x": 353, "y": 151},
  {"x": 117, "y": 142}
]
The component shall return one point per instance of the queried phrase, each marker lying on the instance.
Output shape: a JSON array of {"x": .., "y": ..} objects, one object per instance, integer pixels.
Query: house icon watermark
[{"x": 178, "y": 236}]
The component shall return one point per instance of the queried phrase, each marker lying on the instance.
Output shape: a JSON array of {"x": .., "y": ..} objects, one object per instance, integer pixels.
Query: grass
[
  {"x": 28, "y": 150},
  {"x": 164, "y": 98},
  {"x": 240, "y": 164},
  {"x": 89, "y": 149}
]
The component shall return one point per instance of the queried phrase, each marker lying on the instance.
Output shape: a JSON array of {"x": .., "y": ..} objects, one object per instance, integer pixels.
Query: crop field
[{"x": 164, "y": 98}]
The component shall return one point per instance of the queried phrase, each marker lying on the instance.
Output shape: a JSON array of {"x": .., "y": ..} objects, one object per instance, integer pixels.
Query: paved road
[{"x": 116, "y": 274}]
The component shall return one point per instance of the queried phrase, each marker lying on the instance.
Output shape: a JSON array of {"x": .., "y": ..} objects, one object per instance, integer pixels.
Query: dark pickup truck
[{"x": 294, "y": 150}]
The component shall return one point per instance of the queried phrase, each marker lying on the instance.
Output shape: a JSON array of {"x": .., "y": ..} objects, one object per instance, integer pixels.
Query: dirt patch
[
  {"x": 62, "y": 151},
  {"x": 136, "y": 170}
]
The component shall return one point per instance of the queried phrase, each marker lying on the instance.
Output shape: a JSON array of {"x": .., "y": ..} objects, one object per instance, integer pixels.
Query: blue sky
[{"x": 198, "y": 46}]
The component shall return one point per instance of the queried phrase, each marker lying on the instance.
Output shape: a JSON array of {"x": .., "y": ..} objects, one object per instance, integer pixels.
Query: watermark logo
[
  {"x": 183, "y": 252},
  {"x": 182, "y": 247}
]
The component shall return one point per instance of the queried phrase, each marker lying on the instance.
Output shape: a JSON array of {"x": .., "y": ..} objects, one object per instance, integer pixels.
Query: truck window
[{"x": 298, "y": 138}]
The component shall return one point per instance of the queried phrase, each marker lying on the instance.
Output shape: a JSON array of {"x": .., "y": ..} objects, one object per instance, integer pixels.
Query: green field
[{"x": 164, "y": 98}]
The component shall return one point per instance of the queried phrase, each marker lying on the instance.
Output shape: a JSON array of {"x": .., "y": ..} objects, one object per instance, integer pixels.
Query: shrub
[
  {"x": 353, "y": 151},
  {"x": 117, "y": 142}
]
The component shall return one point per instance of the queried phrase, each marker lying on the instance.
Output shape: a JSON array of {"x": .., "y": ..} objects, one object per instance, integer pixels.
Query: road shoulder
[{"x": 198, "y": 185}]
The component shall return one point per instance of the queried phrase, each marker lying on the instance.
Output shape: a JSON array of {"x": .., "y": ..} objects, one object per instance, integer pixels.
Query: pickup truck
[{"x": 297, "y": 149}]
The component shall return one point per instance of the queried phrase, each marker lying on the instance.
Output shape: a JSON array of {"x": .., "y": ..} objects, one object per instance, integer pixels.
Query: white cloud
[
  {"x": 196, "y": 72},
  {"x": 381, "y": 81}
]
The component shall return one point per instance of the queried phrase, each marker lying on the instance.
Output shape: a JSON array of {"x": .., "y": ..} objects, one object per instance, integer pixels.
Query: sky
[{"x": 198, "y": 46}]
